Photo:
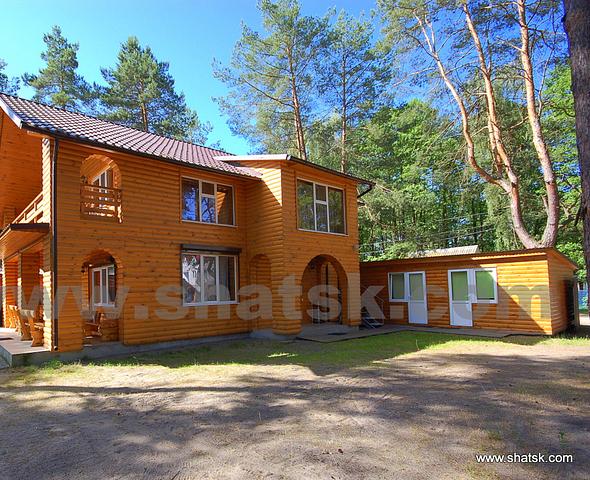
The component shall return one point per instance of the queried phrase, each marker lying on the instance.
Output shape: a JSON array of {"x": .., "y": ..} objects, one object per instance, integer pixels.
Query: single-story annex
[{"x": 524, "y": 291}]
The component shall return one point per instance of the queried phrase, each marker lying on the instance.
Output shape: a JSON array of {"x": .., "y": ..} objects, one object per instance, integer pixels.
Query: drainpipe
[{"x": 54, "y": 323}]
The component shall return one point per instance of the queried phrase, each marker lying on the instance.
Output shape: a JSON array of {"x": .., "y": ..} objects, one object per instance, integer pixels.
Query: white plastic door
[
  {"x": 417, "y": 308},
  {"x": 460, "y": 298}
]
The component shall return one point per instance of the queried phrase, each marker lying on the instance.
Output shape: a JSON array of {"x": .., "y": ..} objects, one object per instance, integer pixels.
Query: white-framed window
[
  {"x": 474, "y": 285},
  {"x": 484, "y": 285},
  {"x": 406, "y": 286},
  {"x": 207, "y": 202},
  {"x": 103, "y": 286},
  {"x": 104, "y": 179},
  {"x": 208, "y": 278},
  {"x": 320, "y": 207},
  {"x": 397, "y": 287}
]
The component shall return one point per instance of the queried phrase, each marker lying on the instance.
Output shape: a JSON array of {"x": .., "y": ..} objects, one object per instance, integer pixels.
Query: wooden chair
[
  {"x": 8, "y": 317},
  {"x": 36, "y": 327},
  {"x": 91, "y": 327},
  {"x": 25, "y": 330},
  {"x": 12, "y": 315}
]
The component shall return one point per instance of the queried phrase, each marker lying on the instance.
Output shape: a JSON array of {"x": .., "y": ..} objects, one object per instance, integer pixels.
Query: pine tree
[
  {"x": 351, "y": 75},
  {"x": 270, "y": 77},
  {"x": 58, "y": 83},
  {"x": 140, "y": 93},
  {"x": 7, "y": 85}
]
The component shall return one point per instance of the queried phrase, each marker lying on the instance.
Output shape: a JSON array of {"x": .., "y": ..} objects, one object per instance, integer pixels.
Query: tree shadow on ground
[
  {"x": 410, "y": 417},
  {"x": 321, "y": 358}
]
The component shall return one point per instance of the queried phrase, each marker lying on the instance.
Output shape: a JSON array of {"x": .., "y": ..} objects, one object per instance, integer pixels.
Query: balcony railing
[
  {"x": 101, "y": 202},
  {"x": 32, "y": 213}
]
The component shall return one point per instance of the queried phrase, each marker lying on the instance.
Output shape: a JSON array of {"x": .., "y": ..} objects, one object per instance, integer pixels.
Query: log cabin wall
[
  {"x": 527, "y": 285},
  {"x": 265, "y": 237},
  {"x": 560, "y": 272},
  {"x": 20, "y": 176},
  {"x": 146, "y": 247},
  {"x": 301, "y": 247},
  {"x": 273, "y": 233}
]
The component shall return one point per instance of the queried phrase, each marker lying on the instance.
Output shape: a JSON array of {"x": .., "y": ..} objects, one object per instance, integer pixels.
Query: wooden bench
[
  {"x": 36, "y": 326},
  {"x": 101, "y": 326}
]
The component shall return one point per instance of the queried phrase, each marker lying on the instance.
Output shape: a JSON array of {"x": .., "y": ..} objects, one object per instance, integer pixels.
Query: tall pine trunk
[
  {"x": 577, "y": 26},
  {"x": 297, "y": 118},
  {"x": 344, "y": 122}
]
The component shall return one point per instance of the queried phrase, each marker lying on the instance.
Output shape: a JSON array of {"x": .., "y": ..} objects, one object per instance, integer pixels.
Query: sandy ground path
[{"x": 422, "y": 415}]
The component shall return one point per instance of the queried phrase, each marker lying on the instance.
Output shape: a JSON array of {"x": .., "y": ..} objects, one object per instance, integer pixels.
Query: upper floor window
[
  {"x": 105, "y": 179},
  {"x": 320, "y": 207},
  {"x": 207, "y": 202}
]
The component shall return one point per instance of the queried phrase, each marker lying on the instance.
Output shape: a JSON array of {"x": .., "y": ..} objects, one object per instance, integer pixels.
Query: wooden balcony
[
  {"x": 32, "y": 213},
  {"x": 100, "y": 202}
]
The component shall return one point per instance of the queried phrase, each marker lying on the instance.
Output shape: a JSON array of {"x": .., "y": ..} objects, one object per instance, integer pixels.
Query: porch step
[{"x": 369, "y": 321}]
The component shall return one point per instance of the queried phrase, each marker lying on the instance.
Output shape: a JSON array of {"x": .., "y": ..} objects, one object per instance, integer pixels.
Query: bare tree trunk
[
  {"x": 144, "y": 117},
  {"x": 344, "y": 122},
  {"x": 510, "y": 185},
  {"x": 577, "y": 26},
  {"x": 551, "y": 227},
  {"x": 299, "y": 133}
]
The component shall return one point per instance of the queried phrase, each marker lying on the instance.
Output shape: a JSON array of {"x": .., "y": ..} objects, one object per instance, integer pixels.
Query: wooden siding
[
  {"x": 146, "y": 244},
  {"x": 525, "y": 300},
  {"x": 301, "y": 247},
  {"x": 20, "y": 172},
  {"x": 273, "y": 231},
  {"x": 560, "y": 271}
]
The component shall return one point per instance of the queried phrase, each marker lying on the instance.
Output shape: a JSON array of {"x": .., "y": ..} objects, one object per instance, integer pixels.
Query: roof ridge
[{"x": 62, "y": 109}]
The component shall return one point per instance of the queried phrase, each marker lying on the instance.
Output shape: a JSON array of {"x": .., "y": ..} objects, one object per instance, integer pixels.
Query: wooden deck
[{"x": 16, "y": 352}]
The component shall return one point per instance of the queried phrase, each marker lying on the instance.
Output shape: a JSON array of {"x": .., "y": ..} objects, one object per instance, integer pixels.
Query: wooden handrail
[
  {"x": 102, "y": 202},
  {"x": 32, "y": 212}
]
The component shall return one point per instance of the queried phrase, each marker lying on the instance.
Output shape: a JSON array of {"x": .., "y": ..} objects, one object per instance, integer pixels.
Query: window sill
[
  {"x": 209, "y": 304},
  {"x": 325, "y": 233},
  {"x": 198, "y": 222}
]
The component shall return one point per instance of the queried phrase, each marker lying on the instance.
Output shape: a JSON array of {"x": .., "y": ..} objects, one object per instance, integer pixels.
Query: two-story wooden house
[{"x": 152, "y": 239}]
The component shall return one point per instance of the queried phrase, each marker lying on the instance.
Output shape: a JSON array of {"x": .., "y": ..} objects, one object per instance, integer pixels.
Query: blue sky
[{"x": 187, "y": 34}]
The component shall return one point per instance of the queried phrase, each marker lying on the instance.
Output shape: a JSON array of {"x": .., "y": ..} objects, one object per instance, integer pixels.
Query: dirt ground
[{"x": 420, "y": 415}]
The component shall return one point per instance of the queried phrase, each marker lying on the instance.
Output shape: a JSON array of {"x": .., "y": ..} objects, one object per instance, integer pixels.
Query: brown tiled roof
[{"x": 36, "y": 116}]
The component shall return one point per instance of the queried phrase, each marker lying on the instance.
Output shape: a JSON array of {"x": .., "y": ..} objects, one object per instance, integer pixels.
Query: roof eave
[
  {"x": 291, "y": 158},
  {"x": 85, "y": 141},
  {"x": 11, "y": 114}
]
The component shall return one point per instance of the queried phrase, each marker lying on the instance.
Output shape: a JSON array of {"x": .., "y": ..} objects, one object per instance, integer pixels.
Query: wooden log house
[
  {"x": 139, "y": 238},
  {"x": 113, "y": 234}
]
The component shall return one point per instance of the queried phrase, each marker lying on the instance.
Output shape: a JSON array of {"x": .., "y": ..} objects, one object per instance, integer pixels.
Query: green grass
[
  {"x": 350, "y": 353},
  {"x": 321, "y": 357}
]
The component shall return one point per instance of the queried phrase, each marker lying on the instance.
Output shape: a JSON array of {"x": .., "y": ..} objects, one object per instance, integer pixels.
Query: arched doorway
[
  {"x": 324, "y": 291},
  {"x": 101, "y": 277}
]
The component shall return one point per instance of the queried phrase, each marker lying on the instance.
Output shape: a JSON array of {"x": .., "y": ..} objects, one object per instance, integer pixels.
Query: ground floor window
[
  {"x": 407, "y": 286},
  {"x": 486, "y": 285},
  {"x": 476, "y": 285},
  {"x": 103, "y": 288},
  {"x": 208, "y": 278}
]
